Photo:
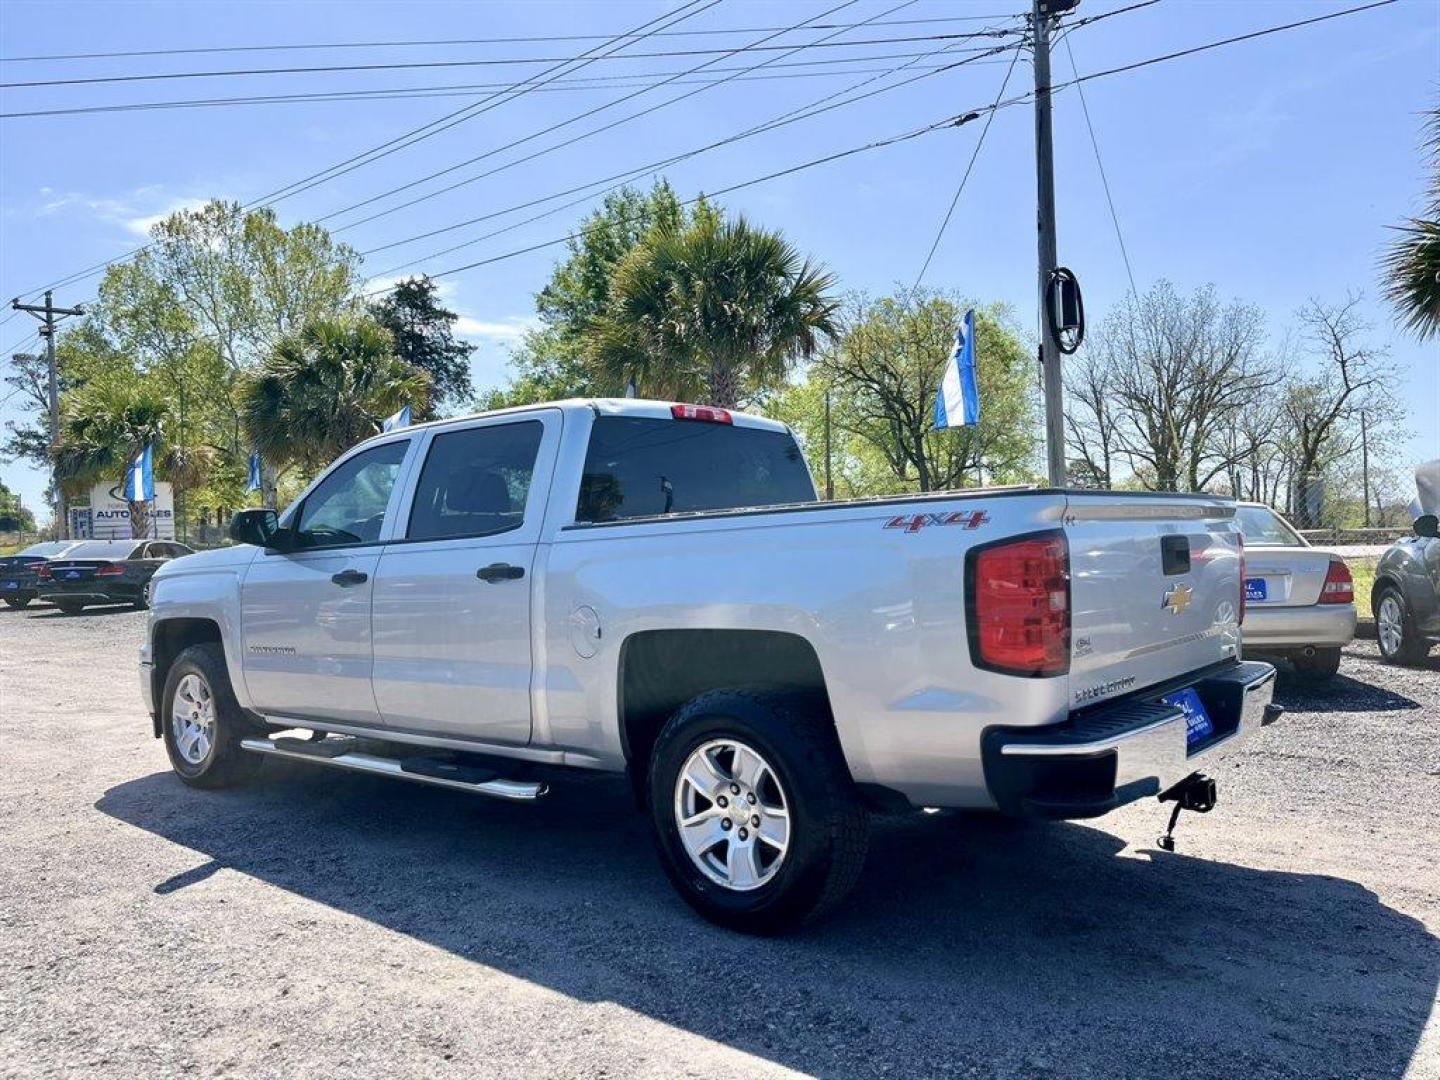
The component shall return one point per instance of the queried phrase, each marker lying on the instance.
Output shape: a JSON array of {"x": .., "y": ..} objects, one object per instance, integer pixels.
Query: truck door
[
  {"x": 306, "y": 612},
  {"x": 453, "y": 588}
]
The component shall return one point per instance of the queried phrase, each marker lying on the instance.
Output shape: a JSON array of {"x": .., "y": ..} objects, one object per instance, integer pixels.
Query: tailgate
[
  {"x": 63, "y": 573},
  {"x": 1154, "y": 589}
]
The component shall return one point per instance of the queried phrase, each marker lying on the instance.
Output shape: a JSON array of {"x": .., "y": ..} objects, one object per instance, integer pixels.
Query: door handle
[
  {"x": 350, "y": 577},
  {"x": 500, "y": 571}
]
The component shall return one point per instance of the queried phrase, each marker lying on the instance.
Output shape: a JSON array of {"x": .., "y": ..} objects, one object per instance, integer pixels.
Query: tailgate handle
[{"x": 1175, "y": 555}]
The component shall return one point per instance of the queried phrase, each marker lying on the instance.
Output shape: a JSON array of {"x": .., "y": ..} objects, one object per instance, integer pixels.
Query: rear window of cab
[{"x": 643, "y": 467}]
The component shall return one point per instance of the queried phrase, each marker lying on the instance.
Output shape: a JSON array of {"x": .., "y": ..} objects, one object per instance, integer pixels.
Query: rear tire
[
  {"x": 807, "y": 829},
  {"x": 202, "y": 723},
  {"x": 1395, "y": 631},
  {"x": 69, "y": 607},
  {"x": 17, "y": 601},
  {"x": 1320, "y": 666}
]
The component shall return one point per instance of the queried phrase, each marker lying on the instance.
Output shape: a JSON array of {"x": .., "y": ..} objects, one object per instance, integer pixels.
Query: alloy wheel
[
  {"x": 192, "y": 718},
  {"x": 732, "y": 814}
]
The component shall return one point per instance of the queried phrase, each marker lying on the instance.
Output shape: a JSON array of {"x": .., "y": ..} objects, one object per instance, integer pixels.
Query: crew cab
[{"x": 493, "y": 603}]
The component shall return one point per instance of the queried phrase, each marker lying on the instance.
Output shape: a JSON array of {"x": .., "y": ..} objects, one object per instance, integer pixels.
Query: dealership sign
[{"x": 108, "y": 516}]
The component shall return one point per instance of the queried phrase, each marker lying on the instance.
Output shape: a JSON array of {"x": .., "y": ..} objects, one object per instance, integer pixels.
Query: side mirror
[
  {"x": 1427, "y": 525},
  {"x": 259, "y": 527}
]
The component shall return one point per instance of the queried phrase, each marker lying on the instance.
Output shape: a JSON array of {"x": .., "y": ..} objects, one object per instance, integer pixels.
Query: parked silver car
[{"x": 1299, "y": 600}]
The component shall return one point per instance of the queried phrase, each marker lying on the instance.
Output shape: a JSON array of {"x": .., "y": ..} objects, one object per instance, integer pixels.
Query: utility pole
[
  {"x": 1365, "y": 466},
  {"x": 1042, "y": 12},
  {"x": 49, "y": 315},
  {"x": 829, "y": 481}
]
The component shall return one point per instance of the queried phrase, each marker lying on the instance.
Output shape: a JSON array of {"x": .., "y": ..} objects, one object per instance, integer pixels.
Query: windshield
[
  {"x": 1263, "y": 527},
  {"x": 101, "y": 549},
  {"x": 46, "y": 548}
]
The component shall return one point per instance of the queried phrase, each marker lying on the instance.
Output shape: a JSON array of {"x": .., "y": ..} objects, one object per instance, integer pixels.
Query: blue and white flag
[
  {"x": 958, "y": 401},
  {"x": 631, "y": 390},
  {"x": 140, "y": 477},
  {"x": 399, "y": 420},
  {"x": 253, "y": 484}
]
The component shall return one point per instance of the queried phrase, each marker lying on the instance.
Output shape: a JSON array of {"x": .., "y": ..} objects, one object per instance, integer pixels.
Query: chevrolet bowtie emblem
[{"x": 1177, "y": 599}]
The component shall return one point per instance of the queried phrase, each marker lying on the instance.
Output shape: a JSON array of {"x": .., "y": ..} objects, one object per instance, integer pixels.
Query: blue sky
[{"x": 1271, "y": 168}]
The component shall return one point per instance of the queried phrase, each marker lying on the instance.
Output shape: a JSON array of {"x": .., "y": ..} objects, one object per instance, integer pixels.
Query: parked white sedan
[{"x": 1299, "y": 600}]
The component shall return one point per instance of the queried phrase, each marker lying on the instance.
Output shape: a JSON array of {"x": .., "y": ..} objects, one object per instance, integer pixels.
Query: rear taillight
[
  {"x": 1339, "y": 587},
  {"x": 109, "y": 570},
  {"x": 43, "y": 572},
  {"x": 701, "y": 412},
  {"x": 1019, "y": 605},
  {"x": 1241, "y": 620}
]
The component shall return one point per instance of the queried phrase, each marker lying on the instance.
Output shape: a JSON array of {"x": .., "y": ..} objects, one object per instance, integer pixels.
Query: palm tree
[
  {"x": 712, "y": 309},
  {"x": 1412, "y": 263},
  {"x": 106, "y": 426},
  {"x": 325, "y": 388}
]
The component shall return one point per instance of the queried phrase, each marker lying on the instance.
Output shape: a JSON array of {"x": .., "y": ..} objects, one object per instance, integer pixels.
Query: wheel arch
[
  {"x": 660, "y": 670},
  {"x": 168, "y": 639}
]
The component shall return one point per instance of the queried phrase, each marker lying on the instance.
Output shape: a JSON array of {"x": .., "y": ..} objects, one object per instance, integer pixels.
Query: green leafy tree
[
  {"x": 14, "y": 517},
  {"x": 104, "y": 427},
  {"x": 717, "y": 309},
  {"x": 325, "y": 388},
  {"x": 1412, "y": 262},
  {"x": 549, "y": 363},
  {"x": 424, "y": 334},
  {"x": 884, "y": 372}
]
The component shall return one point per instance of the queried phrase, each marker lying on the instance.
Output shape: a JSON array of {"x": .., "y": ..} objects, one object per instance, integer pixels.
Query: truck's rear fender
[{"x": 660, "y": 670}]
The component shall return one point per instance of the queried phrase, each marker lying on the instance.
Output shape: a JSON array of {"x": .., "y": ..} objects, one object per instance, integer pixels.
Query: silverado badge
[{"x": 1177, "y": 599}]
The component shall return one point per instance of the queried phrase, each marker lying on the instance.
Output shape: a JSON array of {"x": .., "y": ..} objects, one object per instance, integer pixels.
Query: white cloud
[
  {"x": 509, "y": 329},
  {"x": 135, "y": 212},
  {"x": 141, "y": 225}
]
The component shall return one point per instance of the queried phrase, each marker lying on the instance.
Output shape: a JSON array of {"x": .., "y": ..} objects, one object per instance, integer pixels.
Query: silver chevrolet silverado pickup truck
[{"x": 491, "y": 603}]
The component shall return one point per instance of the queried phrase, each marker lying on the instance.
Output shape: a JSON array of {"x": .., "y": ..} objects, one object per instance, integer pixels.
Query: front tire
[
  {"x": 755, "y": 814},
  {"x": 1322, "y": 665},
  {"x": 17, "y": 601},
  {"x": 202, "y": 723},
  {"x": 69, "y": 607},
  {"x": 1395, "y": 632}
]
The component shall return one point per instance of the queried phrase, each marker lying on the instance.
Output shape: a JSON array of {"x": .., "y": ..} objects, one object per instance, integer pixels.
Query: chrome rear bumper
[{"x": 1117, "y": 753}]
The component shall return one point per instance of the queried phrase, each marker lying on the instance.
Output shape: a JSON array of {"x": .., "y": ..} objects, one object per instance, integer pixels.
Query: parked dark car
[
  {"x": 105, "y": 572},
  {"x": 1406, "y": 594},
  {"x": 19, "y": 573}
]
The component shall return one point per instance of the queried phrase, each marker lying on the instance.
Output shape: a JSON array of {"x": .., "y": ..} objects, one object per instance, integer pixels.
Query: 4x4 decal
[{"x": 971, "y": 519}]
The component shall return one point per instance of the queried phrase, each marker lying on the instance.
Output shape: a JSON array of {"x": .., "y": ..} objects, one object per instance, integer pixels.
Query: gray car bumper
[
  {"x": 1115, "y": 754},
  {"x": 1320, "y": 625}
]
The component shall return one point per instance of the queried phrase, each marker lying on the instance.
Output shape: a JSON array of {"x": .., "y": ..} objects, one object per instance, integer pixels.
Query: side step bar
[{"x": 420, "y": 770}]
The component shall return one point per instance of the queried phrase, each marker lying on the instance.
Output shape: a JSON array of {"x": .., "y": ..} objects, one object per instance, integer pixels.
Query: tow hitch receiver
[{"x": 1196, "y": 792}]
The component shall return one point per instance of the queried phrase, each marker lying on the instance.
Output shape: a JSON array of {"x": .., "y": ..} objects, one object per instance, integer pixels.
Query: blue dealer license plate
[
  {"x": 1255, "y": 589},
  {"x": 11, "y": 586},
  {"x": 1198, "y": 726}
]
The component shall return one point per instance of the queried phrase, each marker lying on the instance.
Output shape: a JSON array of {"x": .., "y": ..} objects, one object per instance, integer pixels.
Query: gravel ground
[{"x": 324, "y": 924}]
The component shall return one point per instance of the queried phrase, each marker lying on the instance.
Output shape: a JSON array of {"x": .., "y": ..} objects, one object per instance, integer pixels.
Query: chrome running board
[{"x": 421, "y": 770}]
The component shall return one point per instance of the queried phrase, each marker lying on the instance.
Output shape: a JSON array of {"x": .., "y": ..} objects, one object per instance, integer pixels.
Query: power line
[
  {"x": 950, "y": 121},
  {"x": 599, "y": 82},
  {"x": 411, "y": 65},
  {"x": 616, "y": 180},
  {"x": 1224, "y": 41},
  {"x": 975, "y": 153},
  {"x": 557, "y": 146},
  {"x": 475, "y": 41},
  {"x": 1104, "y": 180},
  {"x": 458, "y": 116}
]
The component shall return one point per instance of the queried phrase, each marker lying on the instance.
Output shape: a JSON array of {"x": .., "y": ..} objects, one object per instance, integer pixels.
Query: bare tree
[
  {"x": 1090, "y": 423},
  {"x": 1176, "y": 374},
  {"x": 1322, "y": 409}
]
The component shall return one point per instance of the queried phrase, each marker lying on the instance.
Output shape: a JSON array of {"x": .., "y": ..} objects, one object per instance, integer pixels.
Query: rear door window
[
  {"x": 641, "y": 467},
  {"x": 475, "y": 481}
]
